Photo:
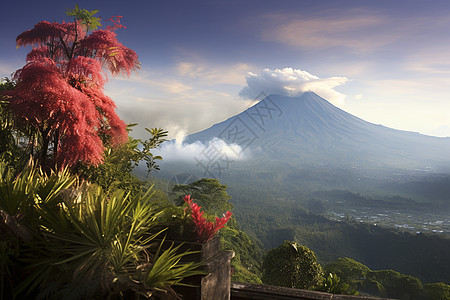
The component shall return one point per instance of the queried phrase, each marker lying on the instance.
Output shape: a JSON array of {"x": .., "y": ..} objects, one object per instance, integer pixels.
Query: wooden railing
[{"x": 247, "y": 291}]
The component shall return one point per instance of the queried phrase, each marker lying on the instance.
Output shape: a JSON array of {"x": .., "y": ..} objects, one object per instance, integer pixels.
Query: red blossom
[
  {"x": 45, "y": 99},
  {"x": 37, "y": 53},
  {"x": 56, "y": 37},
  {"x": 116, "y": 21},
  {"x": 103, "y": 46},
  {"x": 204, "y": 229},
  {"x": 42, "y": 33},
  {"x": 85, "y": 72}
]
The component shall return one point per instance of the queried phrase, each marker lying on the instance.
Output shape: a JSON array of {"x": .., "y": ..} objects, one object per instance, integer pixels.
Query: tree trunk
[
  {"x": 44, "y": 150},
  {"x": 55, "y": 144}
]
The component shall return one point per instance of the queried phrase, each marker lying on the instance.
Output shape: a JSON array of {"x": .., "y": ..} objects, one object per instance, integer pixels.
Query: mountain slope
[{"x": 308, "y": 129}]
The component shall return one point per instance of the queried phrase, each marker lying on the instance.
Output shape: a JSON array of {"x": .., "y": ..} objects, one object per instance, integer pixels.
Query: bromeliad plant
[{"x": 204, "y": 229}]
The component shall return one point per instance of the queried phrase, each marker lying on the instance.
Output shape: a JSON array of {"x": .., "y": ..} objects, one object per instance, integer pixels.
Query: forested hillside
[{"x": 422, "y": 255}]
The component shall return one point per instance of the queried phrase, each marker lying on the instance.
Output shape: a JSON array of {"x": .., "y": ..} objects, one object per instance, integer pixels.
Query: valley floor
[{"x": 411, "y": 221}]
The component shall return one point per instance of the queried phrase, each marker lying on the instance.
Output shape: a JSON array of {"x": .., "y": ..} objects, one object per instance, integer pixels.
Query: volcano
[
  {"x": 309, "y": 130},
  {"x": 302, "y": 167}
]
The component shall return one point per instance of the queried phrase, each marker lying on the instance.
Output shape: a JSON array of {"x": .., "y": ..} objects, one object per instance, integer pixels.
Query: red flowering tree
[{"x": 59, "y": 92}]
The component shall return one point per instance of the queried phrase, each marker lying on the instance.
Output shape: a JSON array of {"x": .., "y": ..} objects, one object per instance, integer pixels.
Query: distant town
[{"x": 408, "y": 221}]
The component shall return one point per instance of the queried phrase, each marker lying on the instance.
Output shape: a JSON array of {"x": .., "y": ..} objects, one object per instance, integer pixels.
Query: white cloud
[
  {"x": 441, "y": 131},
  {"x": 215, "y": 150},
  {"x": 292, "y": 82}
]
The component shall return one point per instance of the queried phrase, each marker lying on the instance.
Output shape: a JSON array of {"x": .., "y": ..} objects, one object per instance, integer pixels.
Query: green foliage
[
  {"x": 178, "y": 222},
  {"x": 21, "y": 199},
  {"x": 386, "y": 283},
  {"x": 6, "y": 84},
  {"x": 333, "y": 284},
  {"x": 292, "y": 265},
  {"x": 85, "y": 16},
  {"x": 208, "y": 193},
  {"x": 396, "y": 285},
  {"x": 116, "y": 170},
  {"x": 61, "y": 239},
  {"x": 242, "y": 274},
  {"x": 25, "y": 194},
  {"x": 371, "y": 287},
  {"x": 248, "y": 256},
  {"x": 437, "y": 291},
  {"x": 165, "y": 271},
  {"x": 157, "y": 137},
  {"x": 11, "y": 150},
  {"x": 349, "y": 269}
]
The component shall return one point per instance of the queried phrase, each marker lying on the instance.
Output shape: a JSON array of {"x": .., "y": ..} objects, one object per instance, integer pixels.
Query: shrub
[{"x": 292, "y": 265}]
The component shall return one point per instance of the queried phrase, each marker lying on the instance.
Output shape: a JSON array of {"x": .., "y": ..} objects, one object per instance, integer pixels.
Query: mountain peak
[{"x": 311, "y": 129}]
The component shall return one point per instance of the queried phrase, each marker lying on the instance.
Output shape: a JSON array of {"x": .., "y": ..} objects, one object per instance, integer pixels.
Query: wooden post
[{"x": 216, "y": 285}]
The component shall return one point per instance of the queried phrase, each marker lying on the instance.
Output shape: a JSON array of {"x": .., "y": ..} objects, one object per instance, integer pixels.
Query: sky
[{"x": 387, "y": 62}]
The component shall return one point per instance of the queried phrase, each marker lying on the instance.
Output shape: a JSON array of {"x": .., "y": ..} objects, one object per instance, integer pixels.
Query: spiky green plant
[
  {"x": 82, "y": 242},
  {"x": 20, "y": 199},
  {"x": 167, "y": 271}
]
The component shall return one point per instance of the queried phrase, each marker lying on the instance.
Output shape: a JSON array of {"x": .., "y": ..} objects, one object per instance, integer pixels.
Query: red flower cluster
[
  {"x": 116, "y": 23},
  {"x": 205, "y": 229}
]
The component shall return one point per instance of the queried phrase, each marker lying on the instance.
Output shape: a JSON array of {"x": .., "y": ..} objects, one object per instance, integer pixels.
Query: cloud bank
[
  {"x": 292, "y": 82},
  {"x": 213, "y": 151}
]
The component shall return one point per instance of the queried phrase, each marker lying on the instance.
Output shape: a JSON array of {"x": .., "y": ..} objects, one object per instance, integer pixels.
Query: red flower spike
[{"x": 205, "y": 229}]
